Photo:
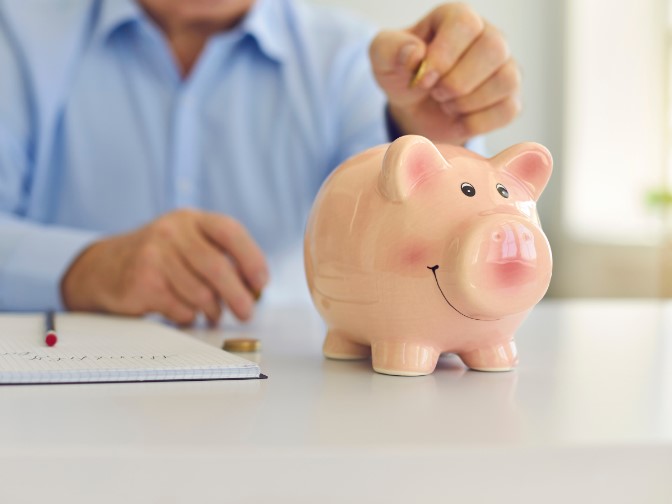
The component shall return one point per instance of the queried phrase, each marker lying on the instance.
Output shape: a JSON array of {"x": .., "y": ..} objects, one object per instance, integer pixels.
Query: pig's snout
[{"x": 505, "y": 266}]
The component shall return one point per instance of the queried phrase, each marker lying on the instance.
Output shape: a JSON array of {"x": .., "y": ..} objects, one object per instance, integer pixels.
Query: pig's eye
[
  {"x": 502, "y": 190},
  {"x": 468, "y": 189}
]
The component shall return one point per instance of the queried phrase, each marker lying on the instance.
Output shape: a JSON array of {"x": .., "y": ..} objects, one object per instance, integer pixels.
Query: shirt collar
[
  {"x": 114, "y": 14},
  {"x": 264, "y": 23}
]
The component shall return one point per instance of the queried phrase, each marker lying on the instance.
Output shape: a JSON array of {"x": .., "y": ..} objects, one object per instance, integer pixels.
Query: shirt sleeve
[
  {"x": 33, "y": 256},
  {"x": 357, "y": 102},
  {"x": 33, "y": 260}
]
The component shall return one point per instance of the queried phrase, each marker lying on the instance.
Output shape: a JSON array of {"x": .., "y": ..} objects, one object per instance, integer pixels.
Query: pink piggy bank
[{"x": 413, "y": 249}]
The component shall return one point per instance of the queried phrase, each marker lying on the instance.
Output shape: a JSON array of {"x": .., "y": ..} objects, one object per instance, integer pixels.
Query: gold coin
[
  {"x": 419, "y": 74},
  {"x": 242, "y": 345}
]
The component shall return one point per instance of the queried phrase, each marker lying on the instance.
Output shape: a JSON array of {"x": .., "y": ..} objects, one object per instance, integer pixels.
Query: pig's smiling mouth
[{"x": 434, "y": 268}]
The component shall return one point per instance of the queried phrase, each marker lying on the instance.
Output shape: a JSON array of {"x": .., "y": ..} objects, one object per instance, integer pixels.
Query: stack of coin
[{"x": 242, "y": 345}]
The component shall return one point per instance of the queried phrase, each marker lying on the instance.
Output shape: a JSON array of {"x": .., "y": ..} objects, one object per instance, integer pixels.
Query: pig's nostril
[{"x": 497, "y": 236}]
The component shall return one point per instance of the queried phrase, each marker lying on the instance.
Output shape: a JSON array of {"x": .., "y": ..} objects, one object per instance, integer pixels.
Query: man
[{"x": 154, "y": 154}]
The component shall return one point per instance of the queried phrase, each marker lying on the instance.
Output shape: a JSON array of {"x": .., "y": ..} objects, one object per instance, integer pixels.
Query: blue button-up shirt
[{"x": 99, "y": 133}]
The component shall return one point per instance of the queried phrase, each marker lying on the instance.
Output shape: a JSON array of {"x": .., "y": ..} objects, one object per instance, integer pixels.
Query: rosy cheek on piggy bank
[{"x": 413, "y": 255}]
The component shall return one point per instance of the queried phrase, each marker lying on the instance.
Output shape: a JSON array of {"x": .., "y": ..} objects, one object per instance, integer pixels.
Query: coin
[
  {"x": 242, "y": 345},
  {"x": 419, "y": 74}
]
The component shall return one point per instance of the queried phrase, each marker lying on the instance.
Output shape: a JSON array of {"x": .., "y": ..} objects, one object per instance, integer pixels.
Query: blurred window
[{"x": 617, "y": 127}]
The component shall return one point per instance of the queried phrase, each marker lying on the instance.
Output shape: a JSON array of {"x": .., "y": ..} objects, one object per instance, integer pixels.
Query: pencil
[{"x": 50, "y": 337}]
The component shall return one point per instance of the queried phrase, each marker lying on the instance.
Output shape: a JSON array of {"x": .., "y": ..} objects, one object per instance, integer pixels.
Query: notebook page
[{"x": 95, "y": 348}]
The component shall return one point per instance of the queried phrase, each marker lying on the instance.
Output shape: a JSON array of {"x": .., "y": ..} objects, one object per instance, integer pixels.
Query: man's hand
[
  {"x": 183, "y": 263},
  {"x": 449, "y": 77}
]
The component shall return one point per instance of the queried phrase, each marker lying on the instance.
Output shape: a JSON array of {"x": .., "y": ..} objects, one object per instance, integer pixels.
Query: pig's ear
[
  {"x": 408, "y": 161},
  {"x": 530, "y": 162}
]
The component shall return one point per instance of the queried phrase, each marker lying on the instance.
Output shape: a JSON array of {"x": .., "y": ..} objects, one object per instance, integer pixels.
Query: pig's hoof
[
  {"x": 403, "y": 359},
  {"x": 338, "y": 346},
  {"x": 495, "y": 358}
]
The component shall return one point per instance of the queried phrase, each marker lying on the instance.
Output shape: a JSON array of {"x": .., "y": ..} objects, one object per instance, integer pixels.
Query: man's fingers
[
  {"x": 175, "y": 310},
  {"x": 191, "y": 289},
  {"x": 490, "y": 118},
  {"x": 234, "y": 240},
  {"x": 503, "y": 83},
  {"x": 396, "y": 58},
  {"x": 151, "y": 290},
  {"x": 220, "y": 254},
  {"x": 214, "y": 267},
  {"x": 236, "y": 295},
  {"x": 395, "y": 52},
  {"x": 449, "y": 30},
  {"x": 483, "y": 59},
  {"x": 166, "y": 302}
]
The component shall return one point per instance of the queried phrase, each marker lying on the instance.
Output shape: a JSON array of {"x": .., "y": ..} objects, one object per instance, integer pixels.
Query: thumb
[{"x": 396, "y": 54}]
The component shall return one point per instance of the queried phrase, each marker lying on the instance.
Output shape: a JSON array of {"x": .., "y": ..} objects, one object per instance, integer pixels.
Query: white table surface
[{"x": 586, "y": 417}]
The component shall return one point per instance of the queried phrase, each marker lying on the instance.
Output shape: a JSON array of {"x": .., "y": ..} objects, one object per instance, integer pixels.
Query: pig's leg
[
  {"x": 502, "y": 357},
  {"x": 338, "y": 345},
  {"x": 403, "y": 358}
]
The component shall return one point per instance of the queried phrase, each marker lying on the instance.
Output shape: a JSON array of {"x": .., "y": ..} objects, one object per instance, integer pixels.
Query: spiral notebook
[{"x": 100, "y": 348}]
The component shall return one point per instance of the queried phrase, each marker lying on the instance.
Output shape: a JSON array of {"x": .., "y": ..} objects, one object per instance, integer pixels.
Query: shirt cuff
[
  {"x": 393, "y": 131},
  {"x": 30, "y": 278}
]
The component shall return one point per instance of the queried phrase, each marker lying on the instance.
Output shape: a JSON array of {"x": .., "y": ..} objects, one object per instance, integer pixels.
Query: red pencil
[{"x": 50, "y": 337}]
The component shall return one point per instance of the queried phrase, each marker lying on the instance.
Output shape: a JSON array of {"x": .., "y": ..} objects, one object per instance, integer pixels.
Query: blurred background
[{"x": 595, "y": 92}]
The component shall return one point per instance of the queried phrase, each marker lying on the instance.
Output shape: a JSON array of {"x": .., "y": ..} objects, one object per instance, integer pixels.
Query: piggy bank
[{"x": 413, "y": 249}]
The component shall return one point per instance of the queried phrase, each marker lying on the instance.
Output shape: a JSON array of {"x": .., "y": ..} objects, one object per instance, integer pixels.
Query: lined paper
[{"x": 102, "y": 348}]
